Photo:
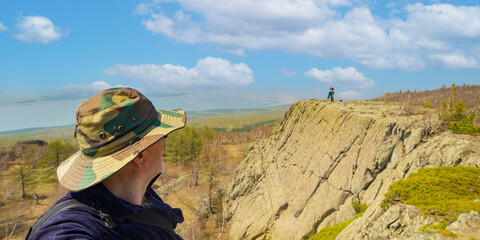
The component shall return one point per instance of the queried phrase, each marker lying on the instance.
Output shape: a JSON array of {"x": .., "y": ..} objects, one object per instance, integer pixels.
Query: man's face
[{"x": 155, "y": 156}]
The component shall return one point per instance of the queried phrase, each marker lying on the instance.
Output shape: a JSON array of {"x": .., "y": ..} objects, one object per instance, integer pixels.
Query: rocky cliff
[{"x": 326, "y": 156}]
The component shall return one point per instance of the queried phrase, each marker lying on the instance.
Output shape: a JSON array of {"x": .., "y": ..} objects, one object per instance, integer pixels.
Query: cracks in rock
[
  {"x": 390, "y": 130},
  {"x": 458, "y": 161},
  {"x": 319, "y": 112},
  {"x": 317, "y": 223},
  {"x": 406, "y": 135},
  {"x": 350, "y": 193},
  {"x": 257, "y": 236},
  {"x": 370, "y": 124},
  {"x": 319, "y": 183},
  {"x": 378, "y": 189},
  {"x": 342, "y": 121},
  {"x": 379, "y": 167},
  {"x": 268, "y": 225},
  {"x": 264, "y": 230},
  {"x": 406, "y": 169},
  {"x": 343, "y": 117},
  {"x": 323, "y": 180},
  {"x": 442, "y": 162},
  {"x": 375, "y": 164},
  {"x": 244, "y": 235},
  {"x": 421, "y": 159},
  {"x": 341, "y": 155},
  {"x": 349, "y": 146},
  {"x": 360, "y": 138},
  {"x": 282, "y": 208},
  {"x": 287, "y": 137}
]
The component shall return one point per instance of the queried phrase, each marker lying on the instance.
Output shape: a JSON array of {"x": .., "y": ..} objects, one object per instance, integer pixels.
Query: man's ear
[{"x": 139, "y": 161}]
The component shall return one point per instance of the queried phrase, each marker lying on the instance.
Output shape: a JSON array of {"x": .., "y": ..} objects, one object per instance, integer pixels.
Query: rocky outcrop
[
  {"x": 465, "y": 225},
  {"x": 326, "y": 156},
  {"x": 403, "y": 222},
  {"x": 174, "y": 185}
]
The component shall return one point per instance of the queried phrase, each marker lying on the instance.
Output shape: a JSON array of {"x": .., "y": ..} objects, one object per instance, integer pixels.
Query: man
[
  {"x": 331, "y": 92},
  {"x": 121, "y": 138}
]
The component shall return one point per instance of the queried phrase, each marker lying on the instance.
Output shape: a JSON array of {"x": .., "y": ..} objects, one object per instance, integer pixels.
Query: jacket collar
[{"x": 100, "y": 194}]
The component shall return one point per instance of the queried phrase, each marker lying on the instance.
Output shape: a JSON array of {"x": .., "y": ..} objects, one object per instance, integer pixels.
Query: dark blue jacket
[{"x": 76, "y": 223}]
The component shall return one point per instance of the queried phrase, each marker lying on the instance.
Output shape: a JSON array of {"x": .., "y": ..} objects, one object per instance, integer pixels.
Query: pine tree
[
  {"x": 184, "y": 146},
  {"x": 454, "y": 117},
  {"x": 57, "y": 152},
  {"x": 25, "y": 167}
]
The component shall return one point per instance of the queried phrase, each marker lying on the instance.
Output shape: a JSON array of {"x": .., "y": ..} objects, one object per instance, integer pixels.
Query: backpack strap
[
  {"x": 142, "y": 216},
  {"x": 67, "y": 204},
  {"x": 152, "y": 219}
]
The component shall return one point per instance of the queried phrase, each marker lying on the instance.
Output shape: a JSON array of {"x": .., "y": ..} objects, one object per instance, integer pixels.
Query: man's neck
[{"x": 130, "y": 189}]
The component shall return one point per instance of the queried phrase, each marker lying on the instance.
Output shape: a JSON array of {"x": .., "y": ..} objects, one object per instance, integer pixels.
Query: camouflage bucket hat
[{"x": 112, "y": 128}]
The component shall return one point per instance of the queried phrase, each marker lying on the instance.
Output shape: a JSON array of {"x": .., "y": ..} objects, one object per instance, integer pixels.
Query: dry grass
[
  {"x": 18, "y": 213},
  {"x": 177, "y": 185},
  {"x": 470, "y": 94},
  {"x": 190, "y": 198}
]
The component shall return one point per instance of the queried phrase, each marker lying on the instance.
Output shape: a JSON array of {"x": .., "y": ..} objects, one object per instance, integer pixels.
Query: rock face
[
  {"x": 326, "y": 156},
  {"x": 464, "y": 224}
]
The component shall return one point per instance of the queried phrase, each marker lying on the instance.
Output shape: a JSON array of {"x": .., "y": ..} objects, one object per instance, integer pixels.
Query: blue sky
[{"x": 239, "y": 53}]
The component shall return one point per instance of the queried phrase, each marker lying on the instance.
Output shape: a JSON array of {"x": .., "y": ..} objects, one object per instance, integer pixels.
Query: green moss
[
  {"x": 443, "y": 192},
  {"x": 469, "y": 151},
  {"x": 440, "y": 228},
  {"x": 360, "y": 208},
  {"x": 330, "y": 233}
]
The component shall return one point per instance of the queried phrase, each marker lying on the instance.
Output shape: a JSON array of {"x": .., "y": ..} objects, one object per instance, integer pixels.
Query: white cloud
[
  {"x": 209, "y": 72},
  {"x": 97, "y": 86},
  {"x": 322, "y": 29},
  {"x": 2, "y": 27},
  {"x": 236, "y": 51},
  {"x": 452, "y": 61},
  {"x": 339, "y": 2},
  {"x": 38, "y": 29},
  {"x": 181, "y": 27},
  {"x": 232, "y": 22},
  {"x": 287, "y": 72},
  {"x": 143, "y": 9},
  {"x": 341, "y": 76},
  {"x": 443, "y": 21}
]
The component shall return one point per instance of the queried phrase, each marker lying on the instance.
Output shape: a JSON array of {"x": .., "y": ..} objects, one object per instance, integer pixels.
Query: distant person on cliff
[
  {"x": 121, "y": 136},
  {"x": 331, "y": 92}
]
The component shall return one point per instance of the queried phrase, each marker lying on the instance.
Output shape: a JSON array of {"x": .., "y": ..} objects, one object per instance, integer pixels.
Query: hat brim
[{"x": 79, "y": 171}]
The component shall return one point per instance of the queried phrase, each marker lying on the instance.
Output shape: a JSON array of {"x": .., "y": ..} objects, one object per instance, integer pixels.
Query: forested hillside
[{"x": 200, "y": 160}]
